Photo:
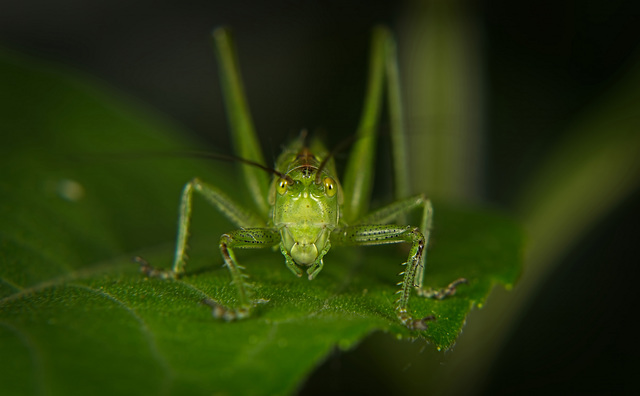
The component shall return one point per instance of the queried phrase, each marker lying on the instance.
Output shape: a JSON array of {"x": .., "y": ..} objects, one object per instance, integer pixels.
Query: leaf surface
[{"x": 76, "y": 316}]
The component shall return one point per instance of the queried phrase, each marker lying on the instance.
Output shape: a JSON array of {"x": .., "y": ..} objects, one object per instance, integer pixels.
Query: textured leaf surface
[{"x": 76, "y": 316}]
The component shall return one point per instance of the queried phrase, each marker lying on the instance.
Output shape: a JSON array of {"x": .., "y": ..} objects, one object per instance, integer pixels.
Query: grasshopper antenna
[
  {"x": 341, "y": 146},
  {"x": 191, "y": 154},
  {"x": 233, "y": 158}
]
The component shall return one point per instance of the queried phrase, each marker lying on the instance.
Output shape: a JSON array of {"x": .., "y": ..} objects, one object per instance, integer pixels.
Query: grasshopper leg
[
  {"x": 259, "y": 236},
  {"x": 243, "y": 239},
  {"x": 419, "y": 238},
  {"x": 441, "y": 294},
  {"x": 363, "y": 235},
  {"x": 235, "y": 213}
]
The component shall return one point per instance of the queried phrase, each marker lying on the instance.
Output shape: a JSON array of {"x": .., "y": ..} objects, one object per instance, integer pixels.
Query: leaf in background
[{"x": 77, "y": 317}]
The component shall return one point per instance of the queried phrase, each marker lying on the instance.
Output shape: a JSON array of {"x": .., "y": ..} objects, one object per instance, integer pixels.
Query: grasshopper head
[{"x": 306, "y": 212}]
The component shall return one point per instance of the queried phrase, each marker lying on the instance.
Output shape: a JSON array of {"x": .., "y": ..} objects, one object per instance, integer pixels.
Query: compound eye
[
  {"x": 282, "y": 186},
  {"x": 330, "y": 186}
]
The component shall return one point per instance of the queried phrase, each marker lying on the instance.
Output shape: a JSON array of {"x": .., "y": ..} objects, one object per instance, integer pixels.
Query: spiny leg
[
  {"x": 234, "y": 212},
  {"x": 402, "y": 169},
  {"x": 250, "y": 238},
  {"x": 416, "y": 276},
  {"x": 399, "y": 209},
  {"x": 363, "y": 235}
]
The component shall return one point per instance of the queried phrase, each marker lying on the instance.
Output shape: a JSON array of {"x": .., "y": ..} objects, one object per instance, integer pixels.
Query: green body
[{"x": 304, "y": 208}]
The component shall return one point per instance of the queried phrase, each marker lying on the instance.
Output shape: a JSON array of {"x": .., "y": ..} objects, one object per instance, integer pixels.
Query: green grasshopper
[{"x": 304, "y": 209}]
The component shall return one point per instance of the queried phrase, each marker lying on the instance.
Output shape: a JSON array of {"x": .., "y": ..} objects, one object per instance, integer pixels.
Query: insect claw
[
  {"x": 401, "y": 273},
  {"x": 418, "y": 325},
  {"x": 218, "y": 311}
]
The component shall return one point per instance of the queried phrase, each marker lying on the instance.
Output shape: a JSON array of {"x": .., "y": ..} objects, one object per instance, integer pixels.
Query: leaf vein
[
  {"x": 34, "y": 354},
  {"x": 78, "y": 274},
  {"x": 11, "y": 284},
  {"x": 144, "y": 329}
]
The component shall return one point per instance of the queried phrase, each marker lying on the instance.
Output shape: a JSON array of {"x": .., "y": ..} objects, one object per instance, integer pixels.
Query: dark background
[{"x": 304, "y": 65}]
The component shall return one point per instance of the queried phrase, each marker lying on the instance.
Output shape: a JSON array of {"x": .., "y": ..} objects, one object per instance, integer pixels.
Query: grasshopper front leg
[
  {"x": 373, "y": 234},
  {"x": 250, "y": 238},
  {"x": 363, "y": 235}
]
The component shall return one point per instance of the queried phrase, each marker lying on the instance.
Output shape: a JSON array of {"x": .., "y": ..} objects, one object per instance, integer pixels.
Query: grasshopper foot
[
  {"x": 415, "y": 324},
  {"x": 421, "y": 324},
  {"x": 440, "y": 294},
  {"x": 152, "y": 272},
  {"x": 219, "y": 311}
]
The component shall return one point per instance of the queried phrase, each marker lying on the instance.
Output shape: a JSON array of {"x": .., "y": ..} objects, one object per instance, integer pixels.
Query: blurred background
[{"x": 529, "y": 107}]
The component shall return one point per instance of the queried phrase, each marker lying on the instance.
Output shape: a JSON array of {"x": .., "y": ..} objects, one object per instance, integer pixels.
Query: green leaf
[{"x": 77, "y": 317}]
